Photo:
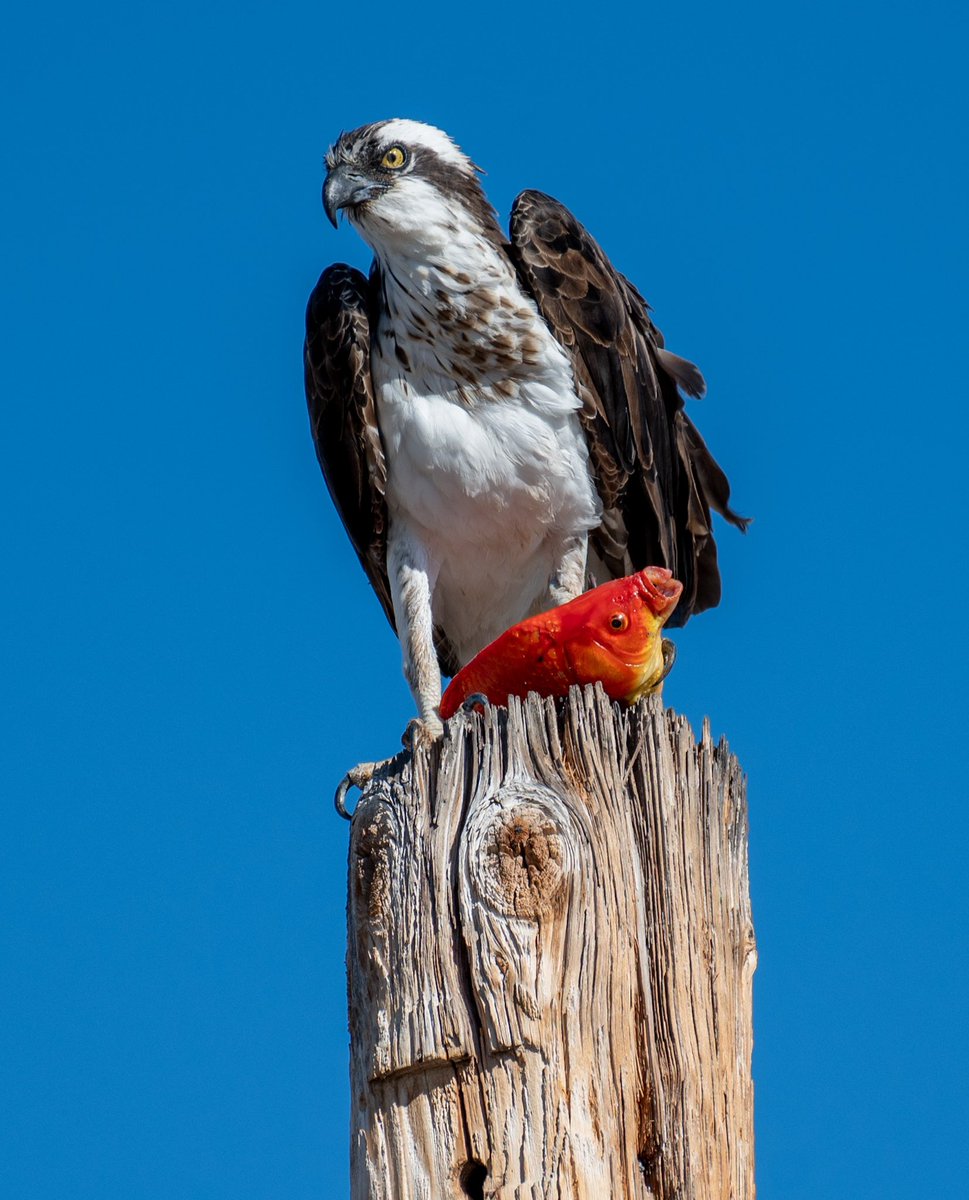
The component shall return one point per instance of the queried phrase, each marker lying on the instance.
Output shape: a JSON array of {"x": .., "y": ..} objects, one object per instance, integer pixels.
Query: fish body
[{"x": 610, "y": 635}]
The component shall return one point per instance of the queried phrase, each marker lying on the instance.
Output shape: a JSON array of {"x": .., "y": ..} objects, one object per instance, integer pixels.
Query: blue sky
[{"x": 192, "y": 657}]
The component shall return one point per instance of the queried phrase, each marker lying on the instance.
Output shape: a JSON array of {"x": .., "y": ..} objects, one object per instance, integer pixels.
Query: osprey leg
[
  {"x": 568, "y": 579},
  {"x": 411, "y": 584}
]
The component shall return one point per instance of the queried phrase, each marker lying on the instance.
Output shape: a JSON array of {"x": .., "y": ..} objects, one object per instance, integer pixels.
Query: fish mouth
[{"x": 660, "y": 591}]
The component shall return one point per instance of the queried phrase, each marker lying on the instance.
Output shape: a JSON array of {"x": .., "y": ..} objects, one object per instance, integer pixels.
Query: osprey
[{"x": 497, "y": 419}]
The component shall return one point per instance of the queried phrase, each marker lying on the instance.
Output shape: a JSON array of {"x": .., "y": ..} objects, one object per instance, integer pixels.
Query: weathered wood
[{"x": 550, "y": 962}]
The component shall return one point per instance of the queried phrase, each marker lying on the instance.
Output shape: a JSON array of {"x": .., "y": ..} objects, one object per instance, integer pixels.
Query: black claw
[
  {"x": 340, "y": 799},
  {"x": 669, "y": 658},
  {"x": 475, "y": 700}
]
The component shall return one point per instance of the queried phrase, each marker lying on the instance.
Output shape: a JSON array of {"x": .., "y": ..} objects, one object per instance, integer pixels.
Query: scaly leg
[
  {"x": 412, "y": 580},
  {"x": 568, "y": 578}
]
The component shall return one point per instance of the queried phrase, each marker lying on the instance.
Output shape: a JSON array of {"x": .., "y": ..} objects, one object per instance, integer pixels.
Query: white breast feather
[{"x": 487, "y": 463}]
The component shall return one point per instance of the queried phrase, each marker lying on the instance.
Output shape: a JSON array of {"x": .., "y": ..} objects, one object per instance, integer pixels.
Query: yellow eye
[
  {"x": 619, "y": 621},
  {"x": 394, "y": 158}
]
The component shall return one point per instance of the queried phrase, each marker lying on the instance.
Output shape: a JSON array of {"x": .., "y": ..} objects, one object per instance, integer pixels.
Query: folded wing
[
  {"x": 343, "y": 421},
  {"x": 657, "y": 479},
  {"x": 343, "y": 416}
]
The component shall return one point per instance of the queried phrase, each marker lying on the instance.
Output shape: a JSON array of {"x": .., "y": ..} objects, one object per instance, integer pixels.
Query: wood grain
[{"x": 550, "y": 958}]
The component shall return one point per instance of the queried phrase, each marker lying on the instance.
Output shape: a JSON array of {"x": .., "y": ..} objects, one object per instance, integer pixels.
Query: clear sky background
[{"x": 192, "y": 656}]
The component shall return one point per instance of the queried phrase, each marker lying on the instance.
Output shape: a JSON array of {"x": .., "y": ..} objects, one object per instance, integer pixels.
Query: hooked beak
[{"x": 345, "y": 188}]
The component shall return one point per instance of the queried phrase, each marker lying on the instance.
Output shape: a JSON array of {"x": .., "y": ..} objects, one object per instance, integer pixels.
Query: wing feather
[
  {"x": 655, "y": 475},
  {"x": 343, "y": 416},
  {"x": 343, "y": 421}
]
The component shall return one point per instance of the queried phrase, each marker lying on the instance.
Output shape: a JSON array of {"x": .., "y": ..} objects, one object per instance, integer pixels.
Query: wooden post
[{"x": 550, "y": 962}]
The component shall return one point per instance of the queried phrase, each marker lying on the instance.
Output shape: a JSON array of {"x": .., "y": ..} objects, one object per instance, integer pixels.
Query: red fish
[{"x": 610, "y": 635}]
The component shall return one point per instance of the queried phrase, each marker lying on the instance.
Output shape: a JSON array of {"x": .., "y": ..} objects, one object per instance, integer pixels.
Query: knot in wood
[{"x": 523, "y": 861}]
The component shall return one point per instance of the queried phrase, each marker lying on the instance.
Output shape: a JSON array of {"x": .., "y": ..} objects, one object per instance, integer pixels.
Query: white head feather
[{"x": 415, "y": 133}]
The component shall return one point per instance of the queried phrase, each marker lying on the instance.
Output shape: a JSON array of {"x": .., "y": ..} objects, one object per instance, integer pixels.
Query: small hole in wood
[
  {"x": 649, "y": 1165},
  {"x": 473, "y": 1176}
]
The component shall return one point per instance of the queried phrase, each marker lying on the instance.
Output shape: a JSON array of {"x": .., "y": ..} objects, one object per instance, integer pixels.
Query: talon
[
  {"x": 476, "y": 701},
  {"x": 340, "y": 799},
  {"x": 358, "y": 777},
  {"x": 421, "y": 731},
  {"x": 669, "y": 658}
]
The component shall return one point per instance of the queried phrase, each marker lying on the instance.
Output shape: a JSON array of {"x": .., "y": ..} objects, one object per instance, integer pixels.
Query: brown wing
[
  {"x": 343, "y": 421},
  {"x": 657, "y": 479},
  {"x": 343, "y": 416}
]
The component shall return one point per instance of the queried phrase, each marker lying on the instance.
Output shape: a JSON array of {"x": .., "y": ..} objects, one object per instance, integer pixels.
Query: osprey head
[{"x": 401, "y": 178}]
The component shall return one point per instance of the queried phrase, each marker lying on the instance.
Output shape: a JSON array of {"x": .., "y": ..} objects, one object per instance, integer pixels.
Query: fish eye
[
  {"x": 619, "y": 621},
  {"x": 394, "y": 159}
]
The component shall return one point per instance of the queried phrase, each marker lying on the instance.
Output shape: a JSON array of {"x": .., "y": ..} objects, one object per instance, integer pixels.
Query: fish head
[{"x": 613, "y": 634}]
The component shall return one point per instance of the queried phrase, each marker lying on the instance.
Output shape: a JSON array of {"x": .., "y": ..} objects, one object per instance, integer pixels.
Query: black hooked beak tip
[{"x": 343, "y": 187}]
